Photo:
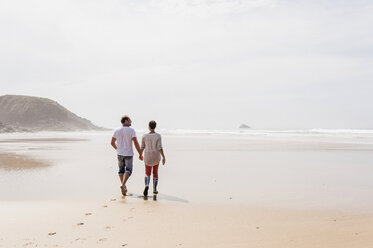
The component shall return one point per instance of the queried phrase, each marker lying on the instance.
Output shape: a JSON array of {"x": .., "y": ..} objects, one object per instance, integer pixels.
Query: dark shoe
[
  {"x": 146, "y": 190},
  {"x": 155, "y": 192}
]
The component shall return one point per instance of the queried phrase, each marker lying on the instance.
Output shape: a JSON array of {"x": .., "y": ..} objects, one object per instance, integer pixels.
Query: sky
[{"x": 194, "y": 64}]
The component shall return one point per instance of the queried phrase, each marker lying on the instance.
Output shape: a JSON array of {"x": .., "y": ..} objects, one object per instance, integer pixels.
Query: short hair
[
  {"x": 124, "y": 118},
  {"x": 152, "y": 124}
]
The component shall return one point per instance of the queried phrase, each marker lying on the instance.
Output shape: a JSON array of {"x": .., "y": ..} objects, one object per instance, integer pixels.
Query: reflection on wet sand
[
  {"x": 12, "y": 161},
  {"x": 41, "y": 140}
]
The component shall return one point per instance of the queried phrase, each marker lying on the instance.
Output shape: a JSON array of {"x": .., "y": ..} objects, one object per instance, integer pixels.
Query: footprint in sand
[
  {"x": 80, "y": 224},
  {"x": 105, "y": 206},
  {"x": 113, "y": 199},
  {"x": 124, "y": 244},
  {"x": 102, "y": 240},
  {"x": 108, "y": 228},
  {"x": 52, "y": 233},
  {"x": 86, "y": 214},
  {"x": 82, "y": 239}
]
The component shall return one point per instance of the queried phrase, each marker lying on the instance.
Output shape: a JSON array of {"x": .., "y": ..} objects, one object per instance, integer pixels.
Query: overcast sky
[{"x": 194, "y": 64}]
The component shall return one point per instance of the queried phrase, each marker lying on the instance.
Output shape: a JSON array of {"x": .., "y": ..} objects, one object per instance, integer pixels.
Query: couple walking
[{"x": 152, "y": 144}]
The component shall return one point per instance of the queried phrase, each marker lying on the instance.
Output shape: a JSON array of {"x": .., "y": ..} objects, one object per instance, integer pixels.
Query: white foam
[{"x": 254, "y": 132}]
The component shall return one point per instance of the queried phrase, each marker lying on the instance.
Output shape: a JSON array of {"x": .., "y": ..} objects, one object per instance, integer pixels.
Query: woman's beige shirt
[{"x": 152, "y": 143}]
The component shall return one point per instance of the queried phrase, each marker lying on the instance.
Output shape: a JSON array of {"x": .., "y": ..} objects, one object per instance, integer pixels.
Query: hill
[{"x": 39, "y": 114}]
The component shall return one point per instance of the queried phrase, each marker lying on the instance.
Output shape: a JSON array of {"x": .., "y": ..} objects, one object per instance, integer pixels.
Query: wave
[
  {"x": 271, "y": 132},
  {"x": 359, "y": 133}
]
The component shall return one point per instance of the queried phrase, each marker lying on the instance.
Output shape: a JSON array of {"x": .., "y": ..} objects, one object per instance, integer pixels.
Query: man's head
[
  {"x": 152, "y": 125},
  {"x": 126, "y": 121}
]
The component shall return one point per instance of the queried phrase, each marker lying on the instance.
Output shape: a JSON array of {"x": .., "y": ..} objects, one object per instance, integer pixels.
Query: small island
[{"x": 244, "y": 126}]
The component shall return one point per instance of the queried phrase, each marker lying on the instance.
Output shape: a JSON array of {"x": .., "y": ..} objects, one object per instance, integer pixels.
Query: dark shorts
[{"x": 125, "y": 164}]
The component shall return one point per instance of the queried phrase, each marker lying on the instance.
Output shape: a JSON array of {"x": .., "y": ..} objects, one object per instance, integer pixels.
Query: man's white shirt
[{"x": 123, "y": 136}]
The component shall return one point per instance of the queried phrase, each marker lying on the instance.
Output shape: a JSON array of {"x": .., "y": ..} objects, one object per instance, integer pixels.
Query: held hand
[
  {"x": 163, "y": 161},
  {"x": 141, "y": 157}
]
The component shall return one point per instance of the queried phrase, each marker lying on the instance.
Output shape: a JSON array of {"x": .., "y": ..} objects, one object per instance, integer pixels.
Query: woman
[{"x": 152, "y": 144}]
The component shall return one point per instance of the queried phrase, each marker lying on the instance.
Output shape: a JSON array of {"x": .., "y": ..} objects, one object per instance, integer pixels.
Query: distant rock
[
  {"x": 244, "y": 126},
  {"x": 30, "y": 113}
]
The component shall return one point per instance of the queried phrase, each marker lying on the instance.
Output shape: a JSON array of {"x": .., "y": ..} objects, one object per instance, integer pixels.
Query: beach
[
  {"x": 119, "y": 223},
  {"x": 217, "y": 189}
]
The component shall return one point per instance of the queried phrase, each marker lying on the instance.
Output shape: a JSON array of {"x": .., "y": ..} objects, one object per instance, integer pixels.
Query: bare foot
[{"x": 124, "y": 189}]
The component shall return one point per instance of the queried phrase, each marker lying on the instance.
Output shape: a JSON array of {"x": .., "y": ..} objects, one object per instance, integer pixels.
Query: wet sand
[
  {"x": 13, "y": 161},
  {"x": 42, "y": 140},
  {"x": 291, "y": 172},
  {"x": 121, "y": 223}
]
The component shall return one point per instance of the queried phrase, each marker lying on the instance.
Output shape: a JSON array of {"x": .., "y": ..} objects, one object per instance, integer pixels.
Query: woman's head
[{"x": 152, "y": 125}]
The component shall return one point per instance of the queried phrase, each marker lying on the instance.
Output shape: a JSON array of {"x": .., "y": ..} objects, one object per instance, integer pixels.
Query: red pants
[{"x": 148, "y": 170}]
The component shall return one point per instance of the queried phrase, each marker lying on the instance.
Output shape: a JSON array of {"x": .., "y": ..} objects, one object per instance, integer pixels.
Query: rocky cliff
[{"x": 39, "y": 114}]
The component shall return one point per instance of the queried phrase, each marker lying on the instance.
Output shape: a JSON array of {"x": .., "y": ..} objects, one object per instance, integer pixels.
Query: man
[{"x": 122, "y": 142}]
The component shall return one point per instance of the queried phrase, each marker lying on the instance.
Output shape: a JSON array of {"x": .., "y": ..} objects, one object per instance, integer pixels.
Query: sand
[
  {"x": 63, "y": 191},
  {"x": 121, "y": 223},
  {"x": 40, "y": 140},
  {"x": 13, "y": 161}
]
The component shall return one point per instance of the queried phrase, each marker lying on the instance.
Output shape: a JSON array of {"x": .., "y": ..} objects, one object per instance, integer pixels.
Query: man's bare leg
[
  {"x": 121, "y": 185},
  {"x": 124, "y": 180}
]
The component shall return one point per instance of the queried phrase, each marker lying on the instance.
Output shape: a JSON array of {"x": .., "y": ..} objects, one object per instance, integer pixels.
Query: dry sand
[{"x": 125, "y": 223}]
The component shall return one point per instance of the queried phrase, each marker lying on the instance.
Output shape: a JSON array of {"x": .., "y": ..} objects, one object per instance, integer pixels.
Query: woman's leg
[
  {"x": 155, "y": 178},
  {"x": 148, "y": 171}
]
